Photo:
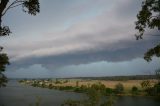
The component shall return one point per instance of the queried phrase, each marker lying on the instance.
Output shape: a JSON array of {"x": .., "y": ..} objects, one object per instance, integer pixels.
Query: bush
[
  {"x": 154, "y": 91},
  {"x": 146, "y": 84},
  {"x": 83, "y": 88},
  {"x": 109, "y": 91},
  {"x": 66, "y": 88},
  {"x": 57, "y": 81},
  {"x": 98, "y": 86},
  {"x": 134, "y": 90},
  {"x": 77, "y": 89},
  {"x": 66, "y": 81},
  {"x": 119, "y": 88},
  {"x": 50, "y": 86},
  {"x": 157, "y": 88}
]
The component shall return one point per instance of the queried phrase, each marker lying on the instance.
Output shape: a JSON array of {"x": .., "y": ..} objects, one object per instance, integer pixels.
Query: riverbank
[
  {"x": 16, "y": 94},
  {"x": 128, "y": 88}
]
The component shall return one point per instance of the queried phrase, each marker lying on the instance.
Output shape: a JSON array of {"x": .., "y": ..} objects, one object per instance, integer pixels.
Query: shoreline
[{"x": 77, "y": 88}]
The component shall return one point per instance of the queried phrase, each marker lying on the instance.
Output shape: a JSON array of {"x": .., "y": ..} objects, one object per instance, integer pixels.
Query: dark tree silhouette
[
  {"x": 31, "y": 7},
  {"x": 3, "y": 62},
  {"x": 149, "y": 17}
]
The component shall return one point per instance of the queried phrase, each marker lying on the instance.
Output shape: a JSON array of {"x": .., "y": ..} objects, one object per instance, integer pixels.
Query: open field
[
  {"x": 83, "y": 85},
  {"x": 128, "y": 84},
  {"x": 109, "y": 84}
]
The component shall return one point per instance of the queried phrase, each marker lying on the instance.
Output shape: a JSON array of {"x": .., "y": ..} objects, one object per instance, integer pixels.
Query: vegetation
[
  {"x": 134, "y": 90},
  {"x": 29, "y": 6},
  {"x": 146, "y": 84},
  {"x": 152, "y": 90},
  {"x": 148, "y": 17},
  {"x": 119, "y": 88},
  {"x": 97, "y": 94},
  {"x": 94, "y": 96},
  {"x": 3, "y": 62}
]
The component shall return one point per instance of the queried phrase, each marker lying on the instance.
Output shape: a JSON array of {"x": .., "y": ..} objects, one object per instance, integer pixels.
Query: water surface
[{"x": 16, "y": 94}]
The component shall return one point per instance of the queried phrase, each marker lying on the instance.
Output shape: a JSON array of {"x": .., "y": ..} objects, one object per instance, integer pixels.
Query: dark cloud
[
  {"x": 132, "y": 49},
  {"x": 108, "y": 36}
]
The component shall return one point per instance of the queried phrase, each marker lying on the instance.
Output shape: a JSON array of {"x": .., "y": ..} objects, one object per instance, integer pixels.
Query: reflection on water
[{"x": 22, "y": 95}]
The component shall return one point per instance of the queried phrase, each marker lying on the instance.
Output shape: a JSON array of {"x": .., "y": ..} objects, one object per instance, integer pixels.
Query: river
[{"x": 16, "y": 94}]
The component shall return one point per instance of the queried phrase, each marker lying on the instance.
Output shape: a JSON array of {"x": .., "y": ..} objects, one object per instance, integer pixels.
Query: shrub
[
  {"x": 157, "y": 88},
  {"x": 146, "y": 84},
  {"x": 83, "y": 88},
  {"x": 119, "y": 88},
  {"x": 109, "y": 91},
  {"x": 57, "y": 81},
  {"x": 66, "y": 81},
  {"x": 50, "y": 86},
  {"x": 134, "y": 90},
  {"x": 66, "y": 88}
]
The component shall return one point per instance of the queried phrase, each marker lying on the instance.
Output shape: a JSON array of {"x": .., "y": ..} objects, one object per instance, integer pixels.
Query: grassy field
[
  {"x": 109, "y": 84},
  {"x": 75, "y": 85}
]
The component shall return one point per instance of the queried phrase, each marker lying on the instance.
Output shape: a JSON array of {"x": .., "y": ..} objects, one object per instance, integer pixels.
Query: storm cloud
[{"x": 92, "y": 31}]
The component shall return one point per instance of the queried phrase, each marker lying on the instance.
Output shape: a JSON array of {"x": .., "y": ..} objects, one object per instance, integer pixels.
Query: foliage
[
  {"x": 82, "y": 88},
  {"x": 94, "y": 96},
  {"x": 157, "y": 88},
  {"x": 119, "y": 88},
  {"x": 3, "y": 62},
  {"x": 3, "y": 80},
  {"x": 109, "y": 91},
  {"x": 134, "y": 90},
  {"x": 151, "y": 90},
  {"x": 50, "y": 86},
  {"x": 57, "y": 81},
  {"x": 31, "y": 7},
  {"x": 149, "y": 17},
  {"x": 152, "y": 52},
  {"x": 66, "y": 81},
  {"x": 146, "y": 84}
]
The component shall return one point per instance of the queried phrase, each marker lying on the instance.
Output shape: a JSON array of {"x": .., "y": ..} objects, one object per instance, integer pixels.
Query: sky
[{"x": 77, "y": 38}]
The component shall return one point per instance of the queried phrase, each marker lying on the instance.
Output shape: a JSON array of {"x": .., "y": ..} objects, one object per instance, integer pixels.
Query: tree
[
  {"x": 146, "y": 84},
  {"x": 31, "y": 7},
  {"x": 119, "y": 88},
  {"x": 3, "y": 62},
  {"x": 94, "y": 94},
  {"x": 134, "y": 90},
  {"x": 149, "y": 17}
]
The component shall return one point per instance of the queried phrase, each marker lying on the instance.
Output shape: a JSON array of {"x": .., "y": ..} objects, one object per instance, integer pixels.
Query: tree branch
[
  {"x": 16, "y": 5},
  {"x": 12, "y": 5}
]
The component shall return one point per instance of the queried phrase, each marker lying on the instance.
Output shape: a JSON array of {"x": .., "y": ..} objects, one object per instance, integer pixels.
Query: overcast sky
[{"x": 71, "y": 38}]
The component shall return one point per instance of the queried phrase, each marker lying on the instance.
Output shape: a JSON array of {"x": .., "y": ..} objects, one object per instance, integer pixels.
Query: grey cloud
[
  {"x": 134, "y": 49},
  {"x": 107, "y": 37}
]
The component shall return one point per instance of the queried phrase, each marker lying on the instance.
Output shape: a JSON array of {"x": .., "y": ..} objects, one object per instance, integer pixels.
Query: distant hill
[
  {"x": 112, "y": 78},
  {"x": 118, "y": 78}
]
